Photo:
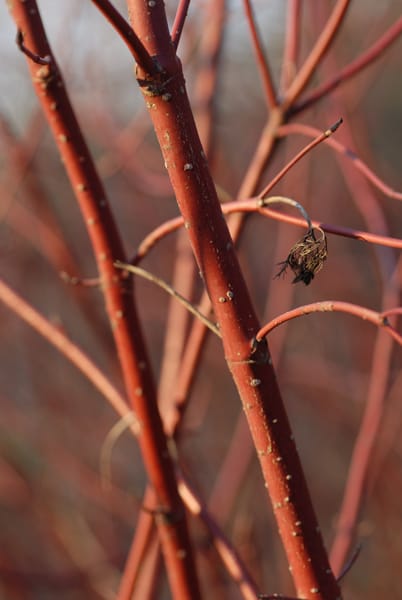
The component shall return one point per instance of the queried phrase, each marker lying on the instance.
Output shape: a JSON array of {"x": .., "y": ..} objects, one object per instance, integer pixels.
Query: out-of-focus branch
[
  {"x": 179, "y": 21},
  {"x": 262, "y": 62},
  {"x": 292, "y": 42},
  {"x": 356, "y": 66},
  {"x": 70, "y": 350},
  {"x": 318, "y": 51},
  {"x": 294, "y": 128},
  {"x": 125, "y": 325}
]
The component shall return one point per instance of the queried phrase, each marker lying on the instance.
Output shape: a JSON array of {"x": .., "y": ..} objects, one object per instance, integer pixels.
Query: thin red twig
[
  {"x": 320, "y": 138},
  {"x": 292, "y": 42},
  {"x": 363, "y": 452},
  {"x": 366, "y": 314},
  {"x": 251, "y": 206},
  {"x": 226, "y": 550},
  {"x": 262, "y": 62},
  {"x": 365, "y": 448},
  {"x": 392, "y": 311},
  {"x": 70, "y": 350},
  {"x": 295, "y": 128},
  {"x": 145, "y": 526},
  {"x": 178, "y": 23},
  {"x": 128, "y": 35},
  {"x": 122, "y": 314},
  {"x": 317, "y": 53},
  {"x": 356, "y": 66}
]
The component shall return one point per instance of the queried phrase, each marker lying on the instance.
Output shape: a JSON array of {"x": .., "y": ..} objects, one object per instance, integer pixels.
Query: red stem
[
  {"x": 356, "y": 66},
  {"x": 252, "y": 370},
  {"x": 143, "y": 535},
  {"x": 363, "y": 452},
  {"x": 317, "y": 53},
  {"x": 125, "y": 325},
  {"x": 127, "y": 34},
  {"x": 262, "y": 62},
  {"x": 292, "y": 41},
  {"x": 320, "y": 138},
  {"x": 294, "y": 128},
  {"x": 178, "y": 23},
  {"x": 252, "y": 206},
  {"x": 366, "y": 314}
]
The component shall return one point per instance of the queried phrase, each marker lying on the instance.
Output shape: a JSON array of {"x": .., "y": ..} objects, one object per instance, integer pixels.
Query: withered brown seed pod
[{"x": 307, "y": 256}]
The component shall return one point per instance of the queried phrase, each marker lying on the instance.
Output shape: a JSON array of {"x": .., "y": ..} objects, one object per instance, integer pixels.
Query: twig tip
[{"x": 334, "y": 127}]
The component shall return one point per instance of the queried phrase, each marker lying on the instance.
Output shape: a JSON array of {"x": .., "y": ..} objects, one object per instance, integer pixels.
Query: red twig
[
  {"x": 318, "y": 51},
  {"x": 144, "y": 529},
  {"x": 392, "y": 311},
  {"x": 356, "y": 66},
  {"x": 366, "y": 445},
  {"x": 128, "y": 35},
  {"x": 294, "y": 128},
  {"x": 363, "y": 452},
  {"x": 366, "y": 314},
  {"x": 179, "y": 21},
  {"x": 227, "y": 552},
  {"x": 217, "y": 261},
  {"x": 70, "y": 350},
  {"x": 292, "y": 42},
  {"x": 84, "y": 364},
  {"x": 251, "y": 206},
  {"x": 320, "y": 138},
  {"x": 262, "y": 62},
  {"x": 179, "y": 367},
  {"x": 123, "y": 318}
]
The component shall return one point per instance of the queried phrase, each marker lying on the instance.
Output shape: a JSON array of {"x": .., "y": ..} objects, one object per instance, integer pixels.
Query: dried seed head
[{"x": 307, "y": 256}]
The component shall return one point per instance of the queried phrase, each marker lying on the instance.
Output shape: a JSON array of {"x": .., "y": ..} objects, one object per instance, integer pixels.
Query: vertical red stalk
[
  {"x": 107, "y": 247},
  {"x": 250, "y": 365}
]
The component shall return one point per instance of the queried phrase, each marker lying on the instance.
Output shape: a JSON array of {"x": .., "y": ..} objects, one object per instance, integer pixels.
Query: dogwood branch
[{"x": 376, "y": 318}]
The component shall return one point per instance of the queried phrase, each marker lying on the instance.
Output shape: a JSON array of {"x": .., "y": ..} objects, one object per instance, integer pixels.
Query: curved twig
[
  {"x": 378, "y": 319},
  {"x": 290, "y": 202},
  {"x": 252, "y": 205}
]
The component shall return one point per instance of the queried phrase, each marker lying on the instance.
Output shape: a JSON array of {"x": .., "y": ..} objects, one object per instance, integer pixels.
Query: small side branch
[
  {"x": 320, "y": 138},
  {"x": 179, "y": 21},
  {"x": 262, "y": 62},
  {"x": 127, "y": 34},
  {"x": 376, "y": 318},
  {"x": 39, "y": 60},
  {"x": 356, "y": 66},
  {"x": 314, "y": 58},
  {"x": 172, "y": 292}
]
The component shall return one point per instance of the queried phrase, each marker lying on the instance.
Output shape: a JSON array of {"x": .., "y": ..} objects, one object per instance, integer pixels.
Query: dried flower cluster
[{"x": 306, "y": 257}]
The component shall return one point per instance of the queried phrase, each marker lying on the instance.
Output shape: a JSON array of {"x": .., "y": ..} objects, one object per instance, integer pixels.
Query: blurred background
[{"x": 64, "y": 531}]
